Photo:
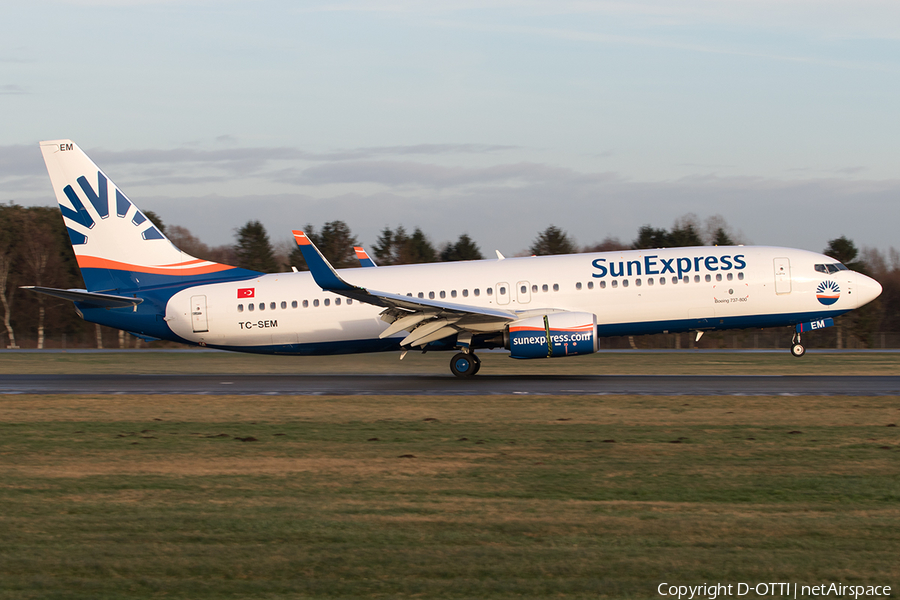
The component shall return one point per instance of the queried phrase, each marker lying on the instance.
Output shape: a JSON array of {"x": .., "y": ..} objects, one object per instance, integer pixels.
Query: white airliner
[{"x": 535, "y": 307}]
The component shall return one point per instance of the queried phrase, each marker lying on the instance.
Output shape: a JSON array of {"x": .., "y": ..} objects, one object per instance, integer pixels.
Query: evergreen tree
[
  {"x": 463, "y": 249},
  {"x": 417, "y": 249},
  {"x": 721, "y": 238},
  {"x": 384, "y": 247},
  {"x": 552, "y": 240},
  {"x": 399, "y": 248},
  {"x": 686, "y": 232},
  {"x": 253, "y": 249},
  {"x": 648, "y": 237},
  {"x": 844, "y": 251}
]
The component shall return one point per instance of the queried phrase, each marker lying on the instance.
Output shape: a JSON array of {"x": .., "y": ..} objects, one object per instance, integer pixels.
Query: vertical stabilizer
[{"x": 117, "y": 247}]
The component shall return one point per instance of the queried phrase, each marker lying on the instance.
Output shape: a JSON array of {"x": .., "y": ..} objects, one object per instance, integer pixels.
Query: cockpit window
[{"x": 831, "y": 268}]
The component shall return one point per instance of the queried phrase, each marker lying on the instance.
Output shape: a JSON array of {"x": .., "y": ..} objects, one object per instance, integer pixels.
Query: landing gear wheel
[
  {"x": 798, "y": 350},
  {"x": 477, "y": 364},
  {"x": 464, "y": 365}
]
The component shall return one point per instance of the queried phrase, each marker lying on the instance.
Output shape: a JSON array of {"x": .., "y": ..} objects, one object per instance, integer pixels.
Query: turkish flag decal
[{"x": 246, "y": 292}]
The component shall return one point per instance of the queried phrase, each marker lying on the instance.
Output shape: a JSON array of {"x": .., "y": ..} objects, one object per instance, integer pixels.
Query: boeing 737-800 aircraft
[{"x": 535, "y": 307}]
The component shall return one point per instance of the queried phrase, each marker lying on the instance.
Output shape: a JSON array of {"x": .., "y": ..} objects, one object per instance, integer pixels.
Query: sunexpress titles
[{"x": 652, "y": 264}]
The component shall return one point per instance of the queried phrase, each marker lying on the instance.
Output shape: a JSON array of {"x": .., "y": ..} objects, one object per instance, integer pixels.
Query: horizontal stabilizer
[{"x": 104, "y": 300}]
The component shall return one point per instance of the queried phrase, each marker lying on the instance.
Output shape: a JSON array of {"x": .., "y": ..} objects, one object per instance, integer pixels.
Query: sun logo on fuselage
[{"x": 828, "y": 292}]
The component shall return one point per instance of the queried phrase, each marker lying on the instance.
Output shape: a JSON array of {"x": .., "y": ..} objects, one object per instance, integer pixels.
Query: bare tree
[{"x": 10, "y": 215}]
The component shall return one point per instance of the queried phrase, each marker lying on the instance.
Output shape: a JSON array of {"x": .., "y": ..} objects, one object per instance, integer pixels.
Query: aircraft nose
[{"x": 867, "y": 289}]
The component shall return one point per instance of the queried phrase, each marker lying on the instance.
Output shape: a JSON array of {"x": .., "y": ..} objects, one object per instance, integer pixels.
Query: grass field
[
  {"x": 443, "y": 497},
  {"x": 621, "y": 363}
]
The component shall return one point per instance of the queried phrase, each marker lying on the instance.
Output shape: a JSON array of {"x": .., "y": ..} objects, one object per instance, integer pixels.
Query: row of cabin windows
[
  {"x": 662, "y": 281},
  {"x": 477, "y": 291},
  {"x": 490, "y": 291},
  {"x": 294, "y": 304}
]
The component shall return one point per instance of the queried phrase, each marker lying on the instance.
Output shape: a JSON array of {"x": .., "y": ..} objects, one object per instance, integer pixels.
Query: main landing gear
[
  {"x": 465, "y": 364},
  {"x": 797, "y": 348}
]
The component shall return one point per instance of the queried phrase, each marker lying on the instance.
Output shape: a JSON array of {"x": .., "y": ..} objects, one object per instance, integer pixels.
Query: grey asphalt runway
[{"x": 431, "y": 385}]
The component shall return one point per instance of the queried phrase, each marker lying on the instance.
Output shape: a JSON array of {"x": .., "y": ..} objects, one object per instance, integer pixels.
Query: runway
[{"x": 431, "y": 385}]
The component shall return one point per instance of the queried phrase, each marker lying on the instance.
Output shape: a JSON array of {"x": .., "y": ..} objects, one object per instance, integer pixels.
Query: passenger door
[
  {"x": 782, "y": 276},
  {"x": 198, "y": 314}
]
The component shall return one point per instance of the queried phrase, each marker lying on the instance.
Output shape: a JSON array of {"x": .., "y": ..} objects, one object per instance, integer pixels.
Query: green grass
[
  {"x": 626, "y": 363},
  {"x": 458, "y": 497}
]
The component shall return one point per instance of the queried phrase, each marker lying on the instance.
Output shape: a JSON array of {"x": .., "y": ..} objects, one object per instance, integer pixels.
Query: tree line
[{"x": 35, "y": 250}]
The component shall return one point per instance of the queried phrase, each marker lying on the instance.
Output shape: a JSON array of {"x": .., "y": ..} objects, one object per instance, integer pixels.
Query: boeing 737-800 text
[{"x": 535, "y": 307}]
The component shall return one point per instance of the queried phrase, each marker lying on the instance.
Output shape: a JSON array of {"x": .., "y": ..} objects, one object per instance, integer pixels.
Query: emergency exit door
[
  {"x": 782, "y": 276},
  {"x": 198, "y": 314}
]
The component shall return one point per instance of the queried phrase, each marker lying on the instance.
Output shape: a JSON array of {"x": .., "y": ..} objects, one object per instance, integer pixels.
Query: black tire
[
  {"x": 463, "y": 365},
  {"x": 798, "y": 350},
  {"x": 477, "y": 364}
]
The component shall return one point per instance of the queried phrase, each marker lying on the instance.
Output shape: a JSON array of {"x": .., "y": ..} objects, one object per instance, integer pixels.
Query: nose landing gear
[
  {"x": 797, "y": 348},
  {"x": 465, "y": 364}
]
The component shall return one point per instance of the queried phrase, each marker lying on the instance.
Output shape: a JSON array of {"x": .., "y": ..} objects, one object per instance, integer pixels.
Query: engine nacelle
[{"x": 552, "y": 335}]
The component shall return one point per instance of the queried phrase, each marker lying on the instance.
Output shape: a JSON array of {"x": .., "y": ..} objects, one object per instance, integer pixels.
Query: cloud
[
  {"x": 405, "y": 173},
  {"x": 12, "y": 90}
]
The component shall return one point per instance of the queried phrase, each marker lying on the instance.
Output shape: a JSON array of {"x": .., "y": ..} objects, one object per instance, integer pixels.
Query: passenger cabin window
[
  {"x": 262, "y": 306},
  {"x": 453, "y": 293},
  {"x": 443, "y": 294},
  {"x": 741, "y": 276},
  {"x": 708, "y": 277},
  {"x": 696, "y": 279},
  {"x": 337, "y": 301},
  {"x": 602, "y": 285},
  {"x": 490, "y": 291},
  {"x": 577, "y": 287},
  {"x": 327, "y": 302},
  {"x": 476, "y": 291},
  {"x": 534, "y": 288},
  {"x": 272, "y": 305},
  {"x": 555, "y": 287},
  {"x": 590, "y": 285},
  {"x": 465, "y": 293},
  {"x": 306, "y": 304},
  {"x": 431, "y": 295},
  {"x": 615, "y": 283},
  {"x": 545, "y": 288},
  {"x": 315, "y": 302},
  {"x": 718, "y": 277},
  {"x": 240, "y": 308},
  {"x": 294, "y": 304}
]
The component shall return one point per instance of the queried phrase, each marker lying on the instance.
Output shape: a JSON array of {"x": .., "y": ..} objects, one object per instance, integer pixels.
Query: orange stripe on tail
[{"x": 93, "y": 262}]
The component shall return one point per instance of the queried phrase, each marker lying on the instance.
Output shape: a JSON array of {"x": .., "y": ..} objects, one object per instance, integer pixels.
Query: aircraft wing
[{"x": 426, "y": 320}]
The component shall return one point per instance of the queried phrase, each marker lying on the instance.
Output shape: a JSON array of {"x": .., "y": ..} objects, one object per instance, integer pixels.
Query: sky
[{"x": 491, "y": 118}]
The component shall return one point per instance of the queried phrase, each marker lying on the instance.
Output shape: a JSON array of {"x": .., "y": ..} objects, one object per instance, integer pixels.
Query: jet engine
[{"x": 552, "y": 335}]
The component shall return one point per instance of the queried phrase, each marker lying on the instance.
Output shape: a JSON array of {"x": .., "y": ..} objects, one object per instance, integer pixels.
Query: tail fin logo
[{"x": 78, "y": 217}]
